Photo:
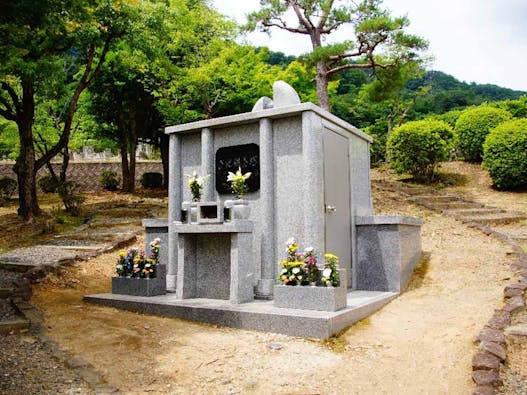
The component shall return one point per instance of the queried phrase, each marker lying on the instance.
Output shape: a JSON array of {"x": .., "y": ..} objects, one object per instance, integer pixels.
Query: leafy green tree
[
  {"x": 37, "y": 39},
  {"x": 375, "y": 31},
  {"x": 230, "y": 82},
  {"x": 176, "y": 65},
  {"x": 125, "y": 112},
  {"x": 391, "y": 88}
]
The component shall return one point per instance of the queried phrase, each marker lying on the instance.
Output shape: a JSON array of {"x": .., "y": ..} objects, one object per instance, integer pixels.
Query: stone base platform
[{"x": 259, "y": 315}]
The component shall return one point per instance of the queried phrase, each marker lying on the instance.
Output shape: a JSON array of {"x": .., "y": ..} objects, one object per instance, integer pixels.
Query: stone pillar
[
  {"x": 174, "y": 206},
  {"x": 207, "y": 163},
  {"x": 265, "y": 284},
  {"x": 313, "y": 151}
]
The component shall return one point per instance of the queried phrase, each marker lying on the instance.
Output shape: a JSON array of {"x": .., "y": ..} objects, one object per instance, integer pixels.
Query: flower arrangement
[
  {"x": 135, "y": 263},
  {"x": 310, "y": 265},
  {"x": 330, "y": 274},
  {"x": 237, "y": 181},
  {"x": 292, "y": 272},
  {"x": 195, "y": 183},
  {"x": 298, "y": 268}
]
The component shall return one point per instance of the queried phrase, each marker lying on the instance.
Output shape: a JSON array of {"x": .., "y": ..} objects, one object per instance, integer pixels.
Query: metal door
[{"x": 337, "y": 198}]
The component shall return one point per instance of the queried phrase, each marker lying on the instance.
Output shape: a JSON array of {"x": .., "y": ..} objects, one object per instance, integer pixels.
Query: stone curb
[
  {"x": 33, "y": 319},
  {"x": 486, "y": 363},
  {"x": 79, "y": 366},
  {"x": 18, "y": 295}
]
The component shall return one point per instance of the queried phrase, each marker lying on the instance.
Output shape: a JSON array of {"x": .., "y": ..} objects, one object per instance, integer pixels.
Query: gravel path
[
  {"x": 26, "y": 367},
  {"x": 30, "y": 363},
  {"x": 7, "y": 311},
  {"x": 7, "y": 278}
]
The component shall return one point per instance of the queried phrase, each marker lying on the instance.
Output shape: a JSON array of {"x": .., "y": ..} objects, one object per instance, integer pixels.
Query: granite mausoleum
[{"x": 310, "y": 179}]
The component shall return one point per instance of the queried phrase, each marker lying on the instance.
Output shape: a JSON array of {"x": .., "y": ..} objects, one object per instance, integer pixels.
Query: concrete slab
[{"x": 259, "y": 315}]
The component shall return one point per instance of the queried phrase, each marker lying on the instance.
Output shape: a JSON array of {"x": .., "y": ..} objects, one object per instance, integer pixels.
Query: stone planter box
[
  {"x": 141, "y": 286},
  {"x": 306, "y": 297}
]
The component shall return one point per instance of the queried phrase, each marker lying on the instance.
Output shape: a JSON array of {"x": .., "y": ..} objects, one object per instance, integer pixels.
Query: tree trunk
[
  {"x": 321, "y": 78},
  {"x": 322, "y": 85},
  {"x": 123, "y": 145},
  {"x": 65, "y": 163},
  {"x": 24, "y": 167},
  {"x": 163, "y": 148},
  {"x": 133, "y": 145}
]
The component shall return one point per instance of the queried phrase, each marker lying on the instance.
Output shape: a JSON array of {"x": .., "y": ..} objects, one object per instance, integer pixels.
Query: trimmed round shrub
[
  {"x": 109, "y": 180},
  {"x": 472, "y": 127},
  {"x": 48, "y": 184},
  {"x": 505, "y": 155},
  {"x": 151, "y": 180},
  {"x": 7, "y": 188},
  {"x": 417, "y": 147}
]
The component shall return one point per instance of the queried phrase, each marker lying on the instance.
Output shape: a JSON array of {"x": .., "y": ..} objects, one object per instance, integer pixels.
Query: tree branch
[
  {"x": 346, "y": 66},
  {"x": 85, "y": 80},
  {"x": 304, "y": 21},
  {"x": 337, "y": 58},
  {"x": 14, "y": 97},
  {"x": 329, "y": 29},
  {"x": 8, "y": 112},
  {"x": 285, "y": 27},
  {"x": 102, "y": 58},
  {"x": 324, "y": 17}
]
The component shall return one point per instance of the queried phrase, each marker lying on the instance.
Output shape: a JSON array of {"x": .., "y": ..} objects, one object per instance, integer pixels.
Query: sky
[{"x": 482, "y": 41}]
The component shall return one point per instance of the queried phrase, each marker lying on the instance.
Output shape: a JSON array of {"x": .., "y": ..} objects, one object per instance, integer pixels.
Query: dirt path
[{"x": 421, "y": 343}]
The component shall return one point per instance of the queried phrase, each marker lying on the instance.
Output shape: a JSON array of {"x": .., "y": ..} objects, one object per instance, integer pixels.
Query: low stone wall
[
  {"x": 388, "y": 248},
  {"x": 86, "y": 174}
]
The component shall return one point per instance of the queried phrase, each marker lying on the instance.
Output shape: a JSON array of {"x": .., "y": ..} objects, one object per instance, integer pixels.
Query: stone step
[
  {"x": 435, "y": 198},
  {"x": 473, "y": 211},
  {"x": 416, "y": 191},
  {"x": 95, "y": 247},
  {"x": 517, "y": 330},
  {"x": 14, "y": 325},
  {"x": 457, "y": 205},
  {"x": 412, "y": 191},
  {"x": 18, "y": 267},
  {"x": 6, "y": 292},
  {"x": 503, "y": 218}
]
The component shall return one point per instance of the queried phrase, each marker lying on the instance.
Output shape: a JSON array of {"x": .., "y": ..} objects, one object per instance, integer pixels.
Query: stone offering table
[{"x": 214, "y": 261}]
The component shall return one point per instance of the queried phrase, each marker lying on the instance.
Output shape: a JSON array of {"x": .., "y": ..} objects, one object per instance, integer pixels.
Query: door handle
[{"x": 330, "y": 209}]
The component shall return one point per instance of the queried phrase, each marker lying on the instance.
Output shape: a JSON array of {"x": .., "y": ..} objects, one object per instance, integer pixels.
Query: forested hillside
[{"x": 447, "y": 93}]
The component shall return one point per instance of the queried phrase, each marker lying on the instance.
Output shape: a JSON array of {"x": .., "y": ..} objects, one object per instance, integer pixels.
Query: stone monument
[{"x": 310, "y": 181}]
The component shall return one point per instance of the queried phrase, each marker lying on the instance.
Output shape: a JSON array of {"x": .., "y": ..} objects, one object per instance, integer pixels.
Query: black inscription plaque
[{"x": 247, "y": 157}]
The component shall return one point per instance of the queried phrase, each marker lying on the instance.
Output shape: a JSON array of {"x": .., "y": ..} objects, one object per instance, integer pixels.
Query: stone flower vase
[
  {"x": 240, "y": 208},
  {"x": 192, "y": 211}
]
